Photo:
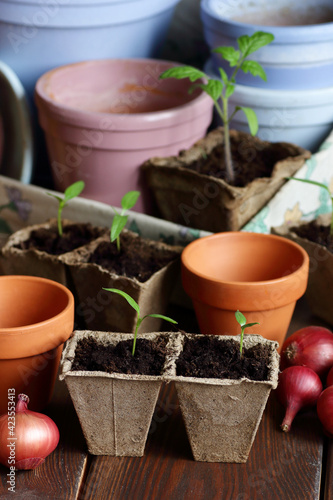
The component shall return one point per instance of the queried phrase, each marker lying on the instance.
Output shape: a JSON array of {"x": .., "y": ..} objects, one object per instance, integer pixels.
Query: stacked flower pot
[{"x": 296, "y": 102}]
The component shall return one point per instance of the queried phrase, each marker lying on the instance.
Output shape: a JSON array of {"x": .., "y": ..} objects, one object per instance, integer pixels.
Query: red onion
[
  {"x": 329, "y": 379},
  {"x": 26, "y": 437},
  {"x": 325, "y": 410},
  {"x": 311, "y": 346},
  {"x": 299, "y": 387}
]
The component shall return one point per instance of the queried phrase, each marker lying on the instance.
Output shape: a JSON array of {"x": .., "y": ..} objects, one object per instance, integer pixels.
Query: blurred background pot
[
  {"x": 301, "y": 55},
  {"x": 36, "y": 318},
  {"x": 102, "y": 119},
  {"x": 261, "y": 275}
]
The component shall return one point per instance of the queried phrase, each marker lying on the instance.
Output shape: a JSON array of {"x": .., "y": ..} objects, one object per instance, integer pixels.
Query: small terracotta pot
[
  {"x": 36, "y": 318},
  {"x": 260, "y": 274}
]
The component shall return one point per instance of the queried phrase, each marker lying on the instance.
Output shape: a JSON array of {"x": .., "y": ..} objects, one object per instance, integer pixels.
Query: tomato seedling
[
  {"x": 71, "y": 192},
  {"x": 242, "y": 321},
  {"x": 120, "y": 219}
]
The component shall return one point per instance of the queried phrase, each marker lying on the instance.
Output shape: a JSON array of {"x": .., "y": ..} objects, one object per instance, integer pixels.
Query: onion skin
[
  {"x": 35, "y": 437},
  {"x": 325, "y": 410},
  {"x": 329, "y": 379},
  {"x": 311, "y": 346},
  {"x": 299, "y": 387}
]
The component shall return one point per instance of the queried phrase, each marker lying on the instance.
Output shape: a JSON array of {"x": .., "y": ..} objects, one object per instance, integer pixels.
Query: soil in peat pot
[
  {"x": 316, "y": 233},
  {"x": 136, "y": 258},
  {"x": 148, "y": 359},
  {"x": 49, "y": 241},
  {"x": 250, "y": 160},
  {"x": 209, "y": 357}
]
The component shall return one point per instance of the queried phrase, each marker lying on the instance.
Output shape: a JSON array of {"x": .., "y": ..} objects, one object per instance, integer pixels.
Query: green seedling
[
  {"x": 135, "y": 306},
  {"x": 221, "y": 90},
  {"x": 242, "y": 321},
  {"x": 120, "y": 219},
  {"x": 323, "y": 186},
  {"x": 71, "y": 192}
]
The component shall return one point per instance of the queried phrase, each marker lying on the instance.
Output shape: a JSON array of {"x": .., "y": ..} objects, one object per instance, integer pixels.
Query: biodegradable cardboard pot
[
  {"x": 115, "y": 410},
  {"x": 36, "y": 318},
  {"x": 319, "y": 291},
  {"x": 205, "y": 202},
  {"x": 32, "y": 261},
  {"x": 222, "y": 415},
  {"x": 106, "y": 311},
  {"x": 262, "y": 275}
]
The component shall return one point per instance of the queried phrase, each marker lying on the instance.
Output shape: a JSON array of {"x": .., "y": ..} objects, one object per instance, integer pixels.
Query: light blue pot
[
  {"x": 302, "y": 117},
  {"x": 300, "y": 57},
  {"x": 38, "y": 35}
]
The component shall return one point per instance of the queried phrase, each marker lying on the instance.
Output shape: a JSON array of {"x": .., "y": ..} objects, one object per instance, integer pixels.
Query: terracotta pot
[
  {"x": 103, "y": 118},
  {"x": 36, "y": 318},
  {"x": 320, "y": 287},
  {"x": 222, "y": 416},
  {"x": 114, "y": 409},
  {"x": 262, "y": 275},
  {"x": 201, "y": 201}
]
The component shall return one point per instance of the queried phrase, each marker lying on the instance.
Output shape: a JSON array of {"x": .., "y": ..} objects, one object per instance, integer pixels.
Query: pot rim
[
  {"x": 26, "y": 329},
  {"x": 116, "y": 121},
  {"x": 283, "y": 34},
  {"x": 243, "y": 234}
]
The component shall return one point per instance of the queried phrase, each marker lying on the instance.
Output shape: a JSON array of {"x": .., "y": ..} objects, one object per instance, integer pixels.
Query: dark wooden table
[{"x": 294, "y": 466}]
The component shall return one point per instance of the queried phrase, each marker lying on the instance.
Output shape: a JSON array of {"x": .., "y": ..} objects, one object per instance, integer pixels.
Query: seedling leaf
[
  {"x": 129, "y": 199},
  {"x": 251, "y": 119},
  {"x": 129, "y": 299},
  {"x": 73, "y": 191},
  {"x": 181, "y": 72},
  {"x": 254, "y": 68}
]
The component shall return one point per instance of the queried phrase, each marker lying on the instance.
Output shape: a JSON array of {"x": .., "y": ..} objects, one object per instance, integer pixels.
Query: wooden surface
[{"x": 294, "y": 466}]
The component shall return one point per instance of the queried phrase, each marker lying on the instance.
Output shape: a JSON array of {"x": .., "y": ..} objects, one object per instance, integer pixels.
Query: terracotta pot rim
[
  {"x": 145, "y": 120},
  {"x": 252, "y": 284},
  {"x": 26, "y": 329}
]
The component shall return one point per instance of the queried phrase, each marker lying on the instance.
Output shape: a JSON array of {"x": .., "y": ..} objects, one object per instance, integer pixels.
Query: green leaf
[
  {"x": 166, "y": 318},
  {"x": 129, "y": 199},
  {"x": 230, "y": 54},
  {"x": 254, "y": 68},
  {"x": 230, "y": 89},
  {"x": 54, "y": 196},
  {"x": 118, "y": 224},
  {"x": 315, "y": 183},
  {"x": 251, "y": 119},
  {"x": 224, "y": 75},
  {"x": 250, "y": 324},
  {"x": 129, "y": 299},
  {"x": 213, "y": 88},
  {"x": 180, "y": 72},
  {"x": 240, "y": 318},
  {"x": 73, "y": 190},
  {"x": 250, "y": 44}
]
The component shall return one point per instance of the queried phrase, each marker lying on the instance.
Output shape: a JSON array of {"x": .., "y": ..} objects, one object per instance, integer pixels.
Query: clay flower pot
[
  {"x": 36, "y": 318},
  {"x": 186, "y": 196},
  {"x": 222, "y": 415},
  {"x": 109, "y": 116},
  {"x": 262, "y": 275},
  {"x": 114, "y": 409},
  {"x": 319, "y": 291}
]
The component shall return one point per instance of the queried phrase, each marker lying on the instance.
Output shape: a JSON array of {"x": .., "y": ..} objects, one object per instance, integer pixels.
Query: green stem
[
  {"x": 241, "y": 341},
  {"x": 135, "y": 334},
  {"x": 227, "y": 147},
  {"x": 59, "y": 222}
]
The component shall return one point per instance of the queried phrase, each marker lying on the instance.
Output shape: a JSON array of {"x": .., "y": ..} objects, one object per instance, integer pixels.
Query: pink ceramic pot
[{"x": 102, "y": 119}]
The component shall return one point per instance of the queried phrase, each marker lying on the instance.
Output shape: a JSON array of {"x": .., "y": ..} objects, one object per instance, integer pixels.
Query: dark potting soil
[
  {"x": 316, "y": 233},
  {"x": 250, "y": 161},
  {"x": 136, "y": 259},
  {"x": 209, "y": 357},
  {"x": 148, "y": 359},
  {"x": 48, "y": 240}
]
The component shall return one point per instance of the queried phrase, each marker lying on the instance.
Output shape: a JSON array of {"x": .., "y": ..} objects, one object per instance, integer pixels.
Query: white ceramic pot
[
  {"x": 38, "y": 35},
  {"x": 302, "y": 117},
  {"x": 301, "y": 55}
]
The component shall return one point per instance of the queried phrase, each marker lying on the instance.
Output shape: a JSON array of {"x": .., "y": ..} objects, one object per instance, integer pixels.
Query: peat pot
[
  {"x": 261, "y": 275},
  {"x": 103, "y": 118},
  {"x": 36, "y": 318}
]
